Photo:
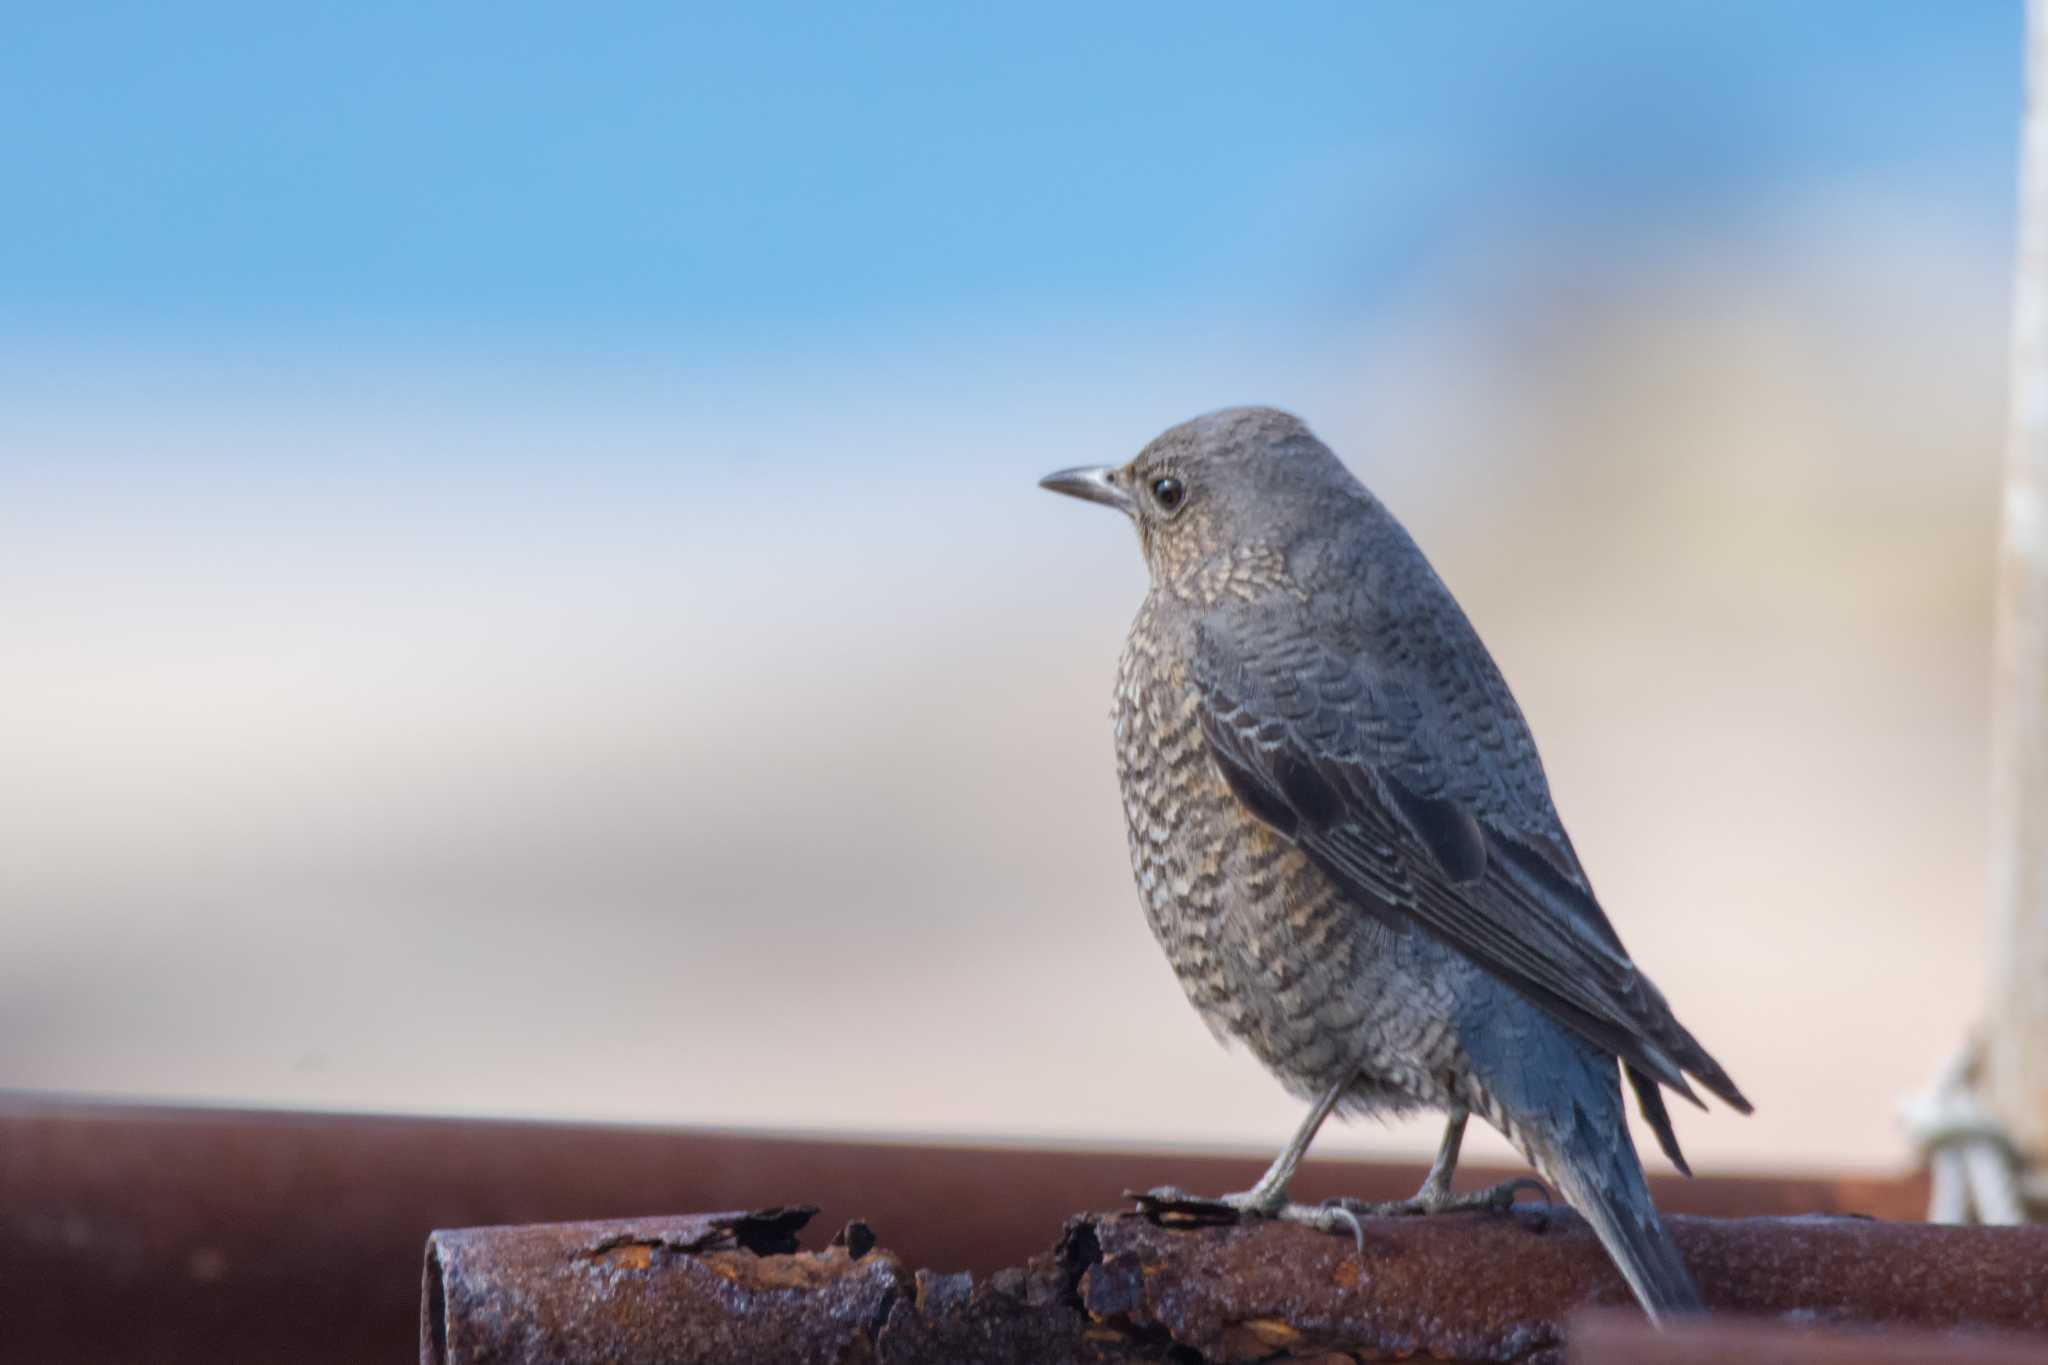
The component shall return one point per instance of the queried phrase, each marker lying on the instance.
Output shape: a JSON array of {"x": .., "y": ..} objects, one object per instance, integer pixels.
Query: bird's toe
[{"x": 1326, "y": 1217}]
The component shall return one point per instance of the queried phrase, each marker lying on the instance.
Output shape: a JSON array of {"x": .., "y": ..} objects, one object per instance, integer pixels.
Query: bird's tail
[{"x": 1599, "y": 1175}]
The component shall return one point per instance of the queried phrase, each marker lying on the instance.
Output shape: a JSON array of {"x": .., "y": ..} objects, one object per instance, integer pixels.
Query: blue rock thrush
[{"x": 1343, "y": 840}]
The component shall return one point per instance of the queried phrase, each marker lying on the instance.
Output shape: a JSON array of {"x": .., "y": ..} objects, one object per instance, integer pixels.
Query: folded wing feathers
[{"x": 1531, "y": 925}]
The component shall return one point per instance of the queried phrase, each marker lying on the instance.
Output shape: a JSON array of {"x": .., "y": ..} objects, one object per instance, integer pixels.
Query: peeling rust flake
[{"x": 764, "y": 1232}]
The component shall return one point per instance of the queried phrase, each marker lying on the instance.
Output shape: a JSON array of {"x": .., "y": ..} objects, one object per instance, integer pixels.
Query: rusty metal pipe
[
  {"x": 732, "y": 1287},
  {"x": 720, "y": 1286}
]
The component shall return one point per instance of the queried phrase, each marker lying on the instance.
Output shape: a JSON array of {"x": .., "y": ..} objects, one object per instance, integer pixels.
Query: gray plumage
[{"x": 1343, "y": 839}]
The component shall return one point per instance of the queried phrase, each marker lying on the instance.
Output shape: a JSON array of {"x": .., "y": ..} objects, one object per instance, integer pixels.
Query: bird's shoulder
[{"x": 1379, "y": 667}]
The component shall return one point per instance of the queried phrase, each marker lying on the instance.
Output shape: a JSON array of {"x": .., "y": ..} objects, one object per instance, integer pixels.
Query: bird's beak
[{"x": 1090, "y": 485}]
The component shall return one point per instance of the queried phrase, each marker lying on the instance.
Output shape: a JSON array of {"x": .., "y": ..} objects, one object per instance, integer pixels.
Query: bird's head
[{"x": 1218, "y": 500}]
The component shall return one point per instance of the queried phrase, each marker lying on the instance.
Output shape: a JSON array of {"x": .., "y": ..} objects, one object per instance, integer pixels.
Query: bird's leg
[
  {"x": 1268, "y": 1198},
  {"x": 1436, "y": 1186},
  {"x": 1271, "y": 1190},
  {"x": 1435, "y": 1195}
]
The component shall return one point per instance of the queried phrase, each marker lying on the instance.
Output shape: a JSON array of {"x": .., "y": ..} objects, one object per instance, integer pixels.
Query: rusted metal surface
[
  {"x": 1129, "y": 1287},
  {"x": 181, "y": 1235},
  {"x": 1473, "y": 1287},
  {"x": 1610, "y": 1338},
  {"x": 730, "y": 1287},
  {"x": 710, "y": 1287}
]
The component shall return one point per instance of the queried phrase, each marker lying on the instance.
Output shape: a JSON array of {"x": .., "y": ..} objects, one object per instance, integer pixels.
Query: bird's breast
[{"x": 1263, "y": 943}]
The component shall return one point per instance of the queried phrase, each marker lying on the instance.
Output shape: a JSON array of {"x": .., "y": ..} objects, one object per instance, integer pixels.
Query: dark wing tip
[
  {"x": 1650, "y": 1100},
  {"x": 1708, "y": 1073}
]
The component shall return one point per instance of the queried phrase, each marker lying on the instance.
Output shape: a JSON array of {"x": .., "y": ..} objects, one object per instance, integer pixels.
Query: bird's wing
[{"x": 1413, "y": 782}]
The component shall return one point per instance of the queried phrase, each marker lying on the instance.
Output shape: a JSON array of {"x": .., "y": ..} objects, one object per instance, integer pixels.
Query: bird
[{"x": 1343, "y": 839}]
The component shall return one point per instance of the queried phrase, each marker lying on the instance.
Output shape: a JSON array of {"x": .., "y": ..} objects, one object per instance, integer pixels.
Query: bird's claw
[
  {"x": 1174, "y": 1207},
  {"x": 1501, "y": 1198},
  {"x": 1493, "y": 1199},
  {"x": 1324, "y": 1217}
]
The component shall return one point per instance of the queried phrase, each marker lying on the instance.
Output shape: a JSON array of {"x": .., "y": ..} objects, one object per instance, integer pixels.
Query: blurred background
[{"x": 525, "y": 595}]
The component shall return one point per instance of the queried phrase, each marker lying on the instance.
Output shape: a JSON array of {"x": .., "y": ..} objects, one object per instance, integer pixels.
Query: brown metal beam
[{"x": 188, "y": 1235}]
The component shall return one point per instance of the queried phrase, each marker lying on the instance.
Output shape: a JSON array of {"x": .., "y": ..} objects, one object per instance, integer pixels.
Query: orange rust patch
[
  {"x": 1270, "y": 1331},
  {"x": 628, "y": 1256},
  {"x": 1256, "y": 1339}
]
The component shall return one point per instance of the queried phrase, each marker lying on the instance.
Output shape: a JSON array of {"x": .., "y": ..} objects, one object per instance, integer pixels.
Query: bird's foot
[
  {"x": 1177, "y": 1208},
  {"x": 1431, "y": 1199}
]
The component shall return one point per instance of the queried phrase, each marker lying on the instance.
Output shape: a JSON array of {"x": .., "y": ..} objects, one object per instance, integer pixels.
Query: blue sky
[
  {"x": 475, "y": 478},
  {"x": 721, "y": 183}
]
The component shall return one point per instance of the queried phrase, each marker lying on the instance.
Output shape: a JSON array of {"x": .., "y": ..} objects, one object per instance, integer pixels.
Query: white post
[
  {"x": 1984, "y": 1124},
  {"x": 2012, "y": 1078}
]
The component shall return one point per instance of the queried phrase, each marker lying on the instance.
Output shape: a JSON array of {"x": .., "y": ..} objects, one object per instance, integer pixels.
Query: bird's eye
[{"x": 1169, "y": 493}]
